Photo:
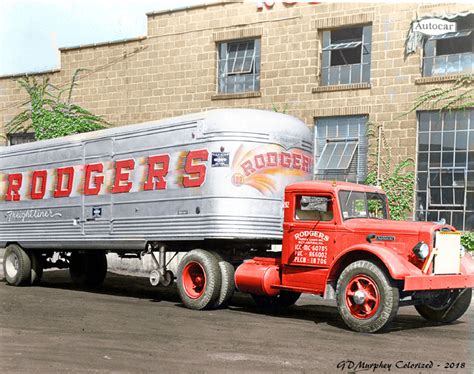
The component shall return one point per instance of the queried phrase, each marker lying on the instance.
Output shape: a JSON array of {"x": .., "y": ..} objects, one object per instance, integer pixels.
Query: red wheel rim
[
  {"x": 194, "y": 280},
  {"x": 362, "y": 296}
]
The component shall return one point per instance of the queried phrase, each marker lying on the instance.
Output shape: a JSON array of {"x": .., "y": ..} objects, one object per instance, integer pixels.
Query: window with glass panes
[
  {"x": 239, "y": 66},
  {"x": 341, "y": 148},
  {"x": 445, "y": 167},
  {"x": 346, "y": 55},
  {"x": 450, "y": 53},
  {"x": 27, "y": 137}
]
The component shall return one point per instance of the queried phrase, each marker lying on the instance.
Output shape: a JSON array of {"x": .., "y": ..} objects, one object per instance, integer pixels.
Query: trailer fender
[{"x": 397, "y": 266}]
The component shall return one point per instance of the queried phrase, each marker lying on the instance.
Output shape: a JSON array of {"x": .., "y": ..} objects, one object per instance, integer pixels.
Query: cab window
[{"x": 314, "y": 208}]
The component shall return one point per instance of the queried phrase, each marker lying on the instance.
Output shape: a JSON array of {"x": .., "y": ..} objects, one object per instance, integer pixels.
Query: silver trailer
[{"x": 212, "y": 180}]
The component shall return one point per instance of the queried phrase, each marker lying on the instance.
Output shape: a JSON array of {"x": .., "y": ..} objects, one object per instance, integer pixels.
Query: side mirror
[{"x": 319, "y": 204}]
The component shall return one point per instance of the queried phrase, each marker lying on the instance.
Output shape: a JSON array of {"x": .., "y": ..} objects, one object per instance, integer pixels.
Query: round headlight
[{"x": 421, "y": 250}]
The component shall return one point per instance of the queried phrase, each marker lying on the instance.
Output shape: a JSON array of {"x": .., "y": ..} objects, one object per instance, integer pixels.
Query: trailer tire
[
  {"x": 227, "y": 282},
  {"x": 452, "y": 306},
  {"x": 17, "y": 266},
  {"x": 199, "y": 280},
  {"x": 284, "y": 299},
  {"x": 88, "y": 269},
  {"x": 366, "y": 296},
  {"x": 36, "y": 268}
]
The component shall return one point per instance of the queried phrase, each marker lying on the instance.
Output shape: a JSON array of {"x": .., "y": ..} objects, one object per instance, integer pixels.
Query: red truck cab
[{"x": 338, "y": 242}]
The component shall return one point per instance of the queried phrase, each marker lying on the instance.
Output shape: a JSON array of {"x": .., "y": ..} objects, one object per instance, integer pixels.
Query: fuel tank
[{"x": 258, "y": 275}]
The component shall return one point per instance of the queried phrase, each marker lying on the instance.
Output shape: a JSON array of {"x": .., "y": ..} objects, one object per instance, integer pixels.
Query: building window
[
  {"x": 445, "y": 168},
  {"x": 239, "y": 66},
  {"x": 26, "y": 137},
  {"x": 450, "y": 53},
  {"x": 346, "y": 56},
  {"x": 341, "y": 148}
]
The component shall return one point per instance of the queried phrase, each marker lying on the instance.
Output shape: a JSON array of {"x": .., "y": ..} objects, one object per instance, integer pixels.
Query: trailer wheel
[
  {"x": 367, "y": 299},
  {"x": 447, "y": 307},
  {"x": 36, "y": 268},
  {"x": 199, "y": 280},
  {"x": 88, "y": 269},
  {"x": 17, "y": 266},
  {"x": 227, "y": 282},
  {"x": 284, "y": 299}
]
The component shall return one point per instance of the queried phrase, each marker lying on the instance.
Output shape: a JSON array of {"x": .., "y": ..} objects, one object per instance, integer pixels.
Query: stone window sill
[
  {"x": 341, "y": 87},
  {"x": 441, "y": 78},
  {"x": 240, "y": 95}
]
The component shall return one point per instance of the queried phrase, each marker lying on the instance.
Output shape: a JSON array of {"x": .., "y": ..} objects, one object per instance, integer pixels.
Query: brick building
[{"x": 338, "y": 67}]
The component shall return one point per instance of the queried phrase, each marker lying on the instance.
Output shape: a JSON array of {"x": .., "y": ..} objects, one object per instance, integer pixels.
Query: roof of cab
[{"x": 330, "y": 186}]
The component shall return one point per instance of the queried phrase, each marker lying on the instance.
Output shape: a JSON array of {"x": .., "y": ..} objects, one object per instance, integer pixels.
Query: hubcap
[
  {"x": 362, "y": 296},
  {"x": 194, "y": 280},
  {"x": 359, "y": 297},
  {"x": 12, "y": 263}
]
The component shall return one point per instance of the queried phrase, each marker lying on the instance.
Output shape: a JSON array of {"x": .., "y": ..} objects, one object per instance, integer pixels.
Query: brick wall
[{"x": 172, "y": 71}]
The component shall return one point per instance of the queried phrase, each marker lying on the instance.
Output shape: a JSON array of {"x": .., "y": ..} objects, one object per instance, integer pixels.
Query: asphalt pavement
[{"x": 128, "y": 326}]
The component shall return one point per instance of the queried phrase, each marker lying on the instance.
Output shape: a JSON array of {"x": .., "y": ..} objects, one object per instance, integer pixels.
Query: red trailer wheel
[
  {"x": 199, "y": 280},
  {"x": 194, "y": 280},
  {"x": 362, "y": 296}
]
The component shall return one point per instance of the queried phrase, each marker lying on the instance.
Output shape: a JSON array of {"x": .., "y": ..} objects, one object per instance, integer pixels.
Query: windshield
[{"x": 356, "y": 204}]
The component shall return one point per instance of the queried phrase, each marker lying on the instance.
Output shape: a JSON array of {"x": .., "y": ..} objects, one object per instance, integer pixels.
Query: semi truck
[{"x": 224, "y": 186}]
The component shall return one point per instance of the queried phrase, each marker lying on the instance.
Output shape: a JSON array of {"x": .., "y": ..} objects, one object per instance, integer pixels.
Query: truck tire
[
  {"x": 36, "y": 268},
  {"x": 227, "y": 282},
  {"x": 448, "y": 307},
  {"x": 284, "y": 299},
  {"x": 17, "y": 266},
  {"x": 88, "y": 269},
  {"x": 199, "y": 280},
  {"x": 366, "y": 296}
]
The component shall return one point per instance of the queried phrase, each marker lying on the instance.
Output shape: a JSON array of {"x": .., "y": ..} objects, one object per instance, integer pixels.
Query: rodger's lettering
[{"x": 93, "y": 177}]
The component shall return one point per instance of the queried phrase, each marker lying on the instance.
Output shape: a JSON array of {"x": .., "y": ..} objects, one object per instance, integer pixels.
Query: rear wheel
[
  {"x": 36, "y": 267},
  {"x": 227, "y": 282},
  {"x": 199, "y": 280},
  {"x": 17, "y": 266},
  {"x": 88, "y": 269},
  {"x": 449, "y": 306},
  {"x": 367, "y": 299}
]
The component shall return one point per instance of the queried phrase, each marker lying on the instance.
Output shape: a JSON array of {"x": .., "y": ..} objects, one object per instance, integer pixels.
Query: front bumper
[{"x": 438, "y": 282}]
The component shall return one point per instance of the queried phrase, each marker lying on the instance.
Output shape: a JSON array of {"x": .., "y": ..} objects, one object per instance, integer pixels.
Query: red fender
[
  {"x": 467, "y": 264},
  {"x": 397, "y": 266}
]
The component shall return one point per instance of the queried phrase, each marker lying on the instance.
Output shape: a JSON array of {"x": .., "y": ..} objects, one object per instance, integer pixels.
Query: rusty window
[
  {"x": 445, "y": 167},
  {"x": 450, "y": 53},
  {"x": 21, "y": 138},
  {"x": 239, "y": 66},
  {"x": 340, "y": 150},
  {"x": 346, "y": 55}
]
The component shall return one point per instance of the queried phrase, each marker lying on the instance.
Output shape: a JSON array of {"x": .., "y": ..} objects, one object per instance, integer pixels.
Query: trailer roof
[{"x": 217, "y": 120}]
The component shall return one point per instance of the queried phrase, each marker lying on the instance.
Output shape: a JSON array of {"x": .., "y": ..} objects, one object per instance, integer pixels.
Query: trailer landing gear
[{"x": 161, "y": 275}]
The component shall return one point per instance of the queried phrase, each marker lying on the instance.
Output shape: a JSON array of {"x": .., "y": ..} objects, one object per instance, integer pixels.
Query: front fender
[
  {"x": 397, "y": 266},
  {"x": 467, "y": 264}
]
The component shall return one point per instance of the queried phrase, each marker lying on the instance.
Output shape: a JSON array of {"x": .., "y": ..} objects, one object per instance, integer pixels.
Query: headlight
[
  {"x": 421, "y": 250},
  {"x": 462, "y": 251}
]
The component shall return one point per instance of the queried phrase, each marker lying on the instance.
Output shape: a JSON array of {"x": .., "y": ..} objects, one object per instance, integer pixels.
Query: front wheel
[
  {"x": 199, "y": 280},
  {"x": 449, "y": 306},
  {"x": 367, "y": 299}
]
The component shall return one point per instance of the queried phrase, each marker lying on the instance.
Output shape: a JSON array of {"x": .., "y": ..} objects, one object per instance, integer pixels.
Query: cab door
[{"x": 310, "y": 230}]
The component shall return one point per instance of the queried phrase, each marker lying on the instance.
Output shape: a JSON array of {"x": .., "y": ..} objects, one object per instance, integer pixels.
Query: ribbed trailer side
[{"x": 213, "y": 175}]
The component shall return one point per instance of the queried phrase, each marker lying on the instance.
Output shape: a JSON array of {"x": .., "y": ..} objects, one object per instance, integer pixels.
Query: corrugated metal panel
[{"x": 233, "y": 201}]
